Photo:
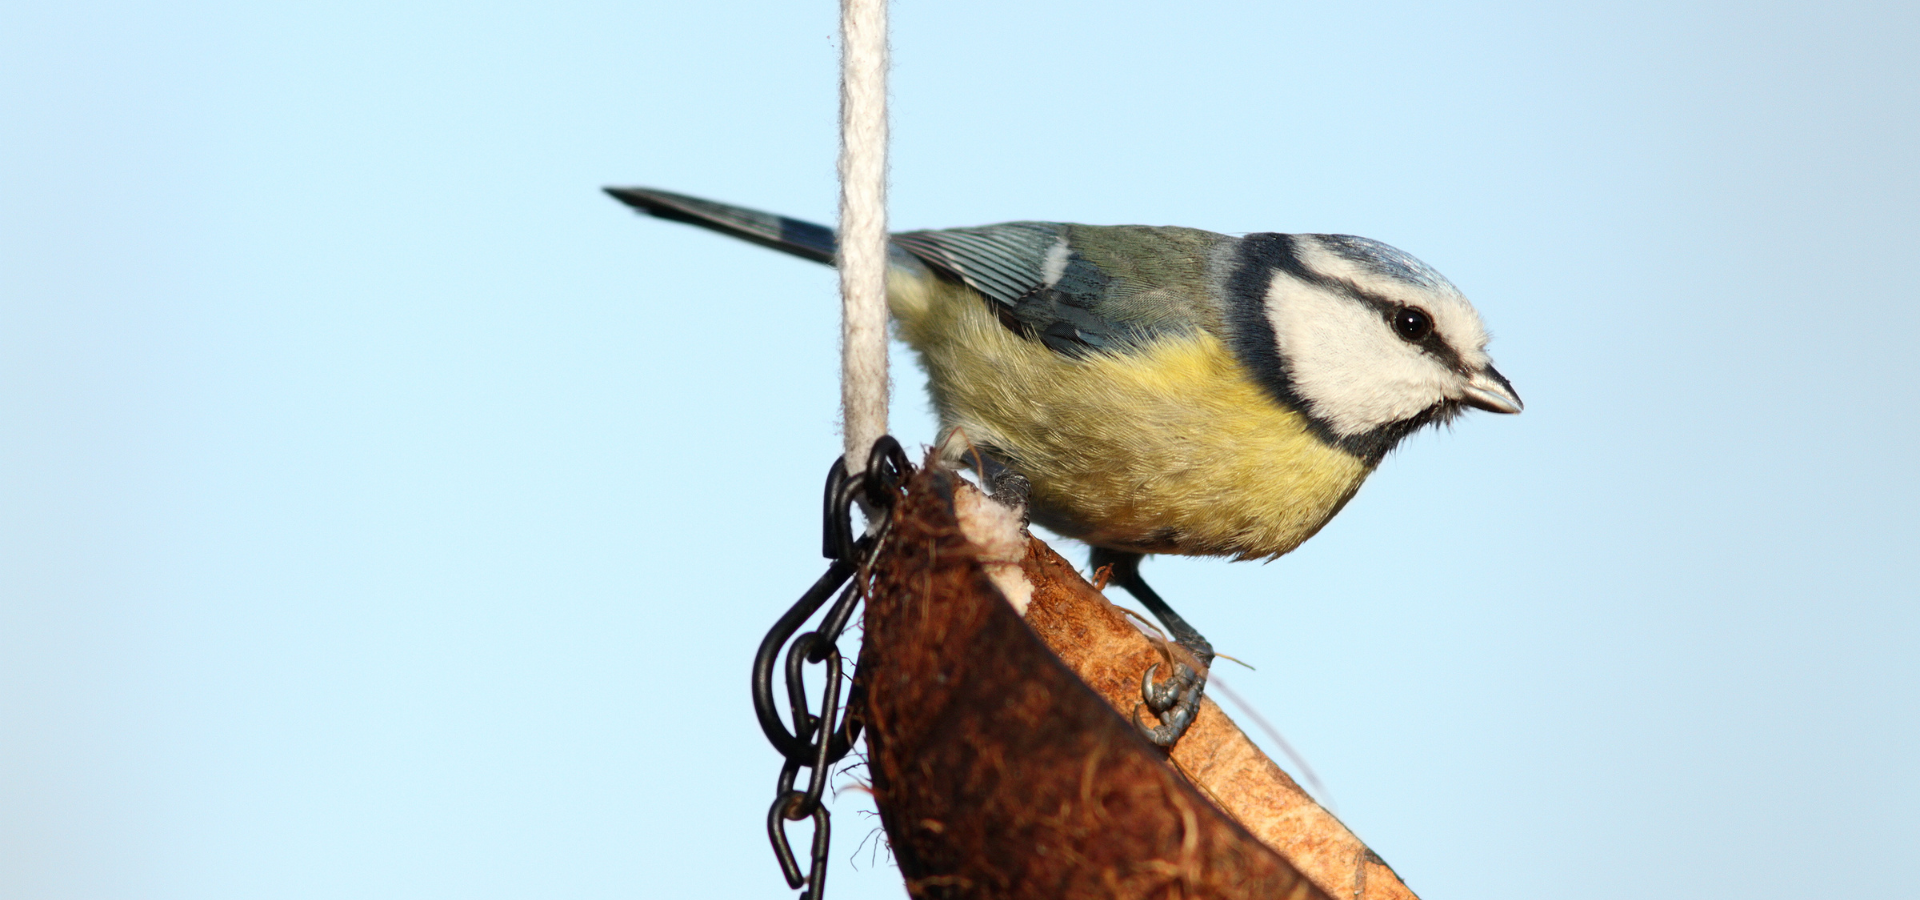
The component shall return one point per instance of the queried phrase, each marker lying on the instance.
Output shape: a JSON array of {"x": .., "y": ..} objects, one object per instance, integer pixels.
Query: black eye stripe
[
  {"x": 1426, "y": 337},
  {"x": 1428, "y": 340}
]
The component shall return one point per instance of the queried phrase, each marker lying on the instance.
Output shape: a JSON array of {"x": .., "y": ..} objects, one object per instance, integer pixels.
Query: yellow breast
[{"x": 1167, "y": 448}]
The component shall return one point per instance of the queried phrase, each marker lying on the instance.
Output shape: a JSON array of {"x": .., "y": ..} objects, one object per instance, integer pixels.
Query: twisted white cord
[{"x": 863, "y": 225}]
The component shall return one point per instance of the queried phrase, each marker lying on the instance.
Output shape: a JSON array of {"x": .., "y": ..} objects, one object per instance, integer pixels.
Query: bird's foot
[{"x": 1175, "y": 702}]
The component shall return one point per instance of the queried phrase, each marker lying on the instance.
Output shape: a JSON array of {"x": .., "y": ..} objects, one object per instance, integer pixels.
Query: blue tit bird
[{"x": 1167, "y": 390}]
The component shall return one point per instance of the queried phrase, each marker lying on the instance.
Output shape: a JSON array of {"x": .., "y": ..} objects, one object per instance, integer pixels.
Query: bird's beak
[{"x": 1489, "y": 390}]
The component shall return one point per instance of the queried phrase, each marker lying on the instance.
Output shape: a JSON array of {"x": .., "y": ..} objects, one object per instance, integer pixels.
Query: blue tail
[{"x": 803, "y": 239}]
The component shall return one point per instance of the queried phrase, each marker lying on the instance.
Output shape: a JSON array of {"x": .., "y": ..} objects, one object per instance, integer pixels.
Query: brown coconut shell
[{"x": 1002, "y": 763}]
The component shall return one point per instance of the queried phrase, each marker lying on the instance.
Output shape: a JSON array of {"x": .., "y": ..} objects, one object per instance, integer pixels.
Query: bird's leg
[
  {"x": 1012, "y": 490},
  {"x": 1009, "y": 488},
  {"x": 1175, "y": 701}
]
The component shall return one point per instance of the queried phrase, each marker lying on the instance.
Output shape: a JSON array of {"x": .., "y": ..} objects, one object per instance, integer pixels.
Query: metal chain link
[{"x": 818, "y": 741}]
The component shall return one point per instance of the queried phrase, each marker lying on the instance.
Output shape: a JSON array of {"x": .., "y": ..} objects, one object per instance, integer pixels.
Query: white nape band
[{"x": 863, "y": 226}]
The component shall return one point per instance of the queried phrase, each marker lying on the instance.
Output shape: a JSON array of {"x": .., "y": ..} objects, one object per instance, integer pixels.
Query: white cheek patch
[{"x": 1354, "y": 373}]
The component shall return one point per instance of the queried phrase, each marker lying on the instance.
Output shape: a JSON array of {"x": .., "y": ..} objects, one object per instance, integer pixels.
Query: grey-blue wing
[
  {"x": 1081, "y": 288},
  {"x": 1029, "y": 274}
]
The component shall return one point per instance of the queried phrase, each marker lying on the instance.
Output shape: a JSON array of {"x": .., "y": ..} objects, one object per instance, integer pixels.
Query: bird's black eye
[{"x": 1413, "y": 325}]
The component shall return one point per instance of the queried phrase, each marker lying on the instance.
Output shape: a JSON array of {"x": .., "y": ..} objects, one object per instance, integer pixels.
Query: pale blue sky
[{"x": 386, "y": 513}]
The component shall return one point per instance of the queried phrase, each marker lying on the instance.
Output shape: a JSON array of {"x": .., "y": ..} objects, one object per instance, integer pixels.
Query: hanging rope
[
  {"x": 863, "y": 224},
  {"x": 870, "y": 473}
]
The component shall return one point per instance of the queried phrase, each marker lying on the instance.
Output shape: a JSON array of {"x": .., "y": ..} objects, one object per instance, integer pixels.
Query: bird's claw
[
  {"x": 1160, "y": 697},
  {"x": 1175, "y": 702}
]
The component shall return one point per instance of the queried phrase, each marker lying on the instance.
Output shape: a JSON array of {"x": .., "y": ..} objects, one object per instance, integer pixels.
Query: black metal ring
[{"x": 777, "y": 833}]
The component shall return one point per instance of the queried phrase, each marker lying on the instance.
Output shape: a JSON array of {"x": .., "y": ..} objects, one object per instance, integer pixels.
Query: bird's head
[{"x": 1368, "y": 342}]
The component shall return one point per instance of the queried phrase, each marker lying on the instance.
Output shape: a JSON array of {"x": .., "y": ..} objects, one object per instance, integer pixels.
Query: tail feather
[{"x": 803, "y": 239}]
